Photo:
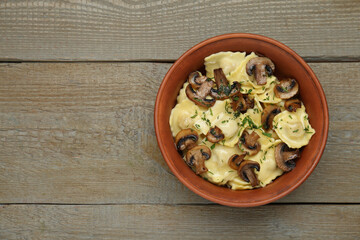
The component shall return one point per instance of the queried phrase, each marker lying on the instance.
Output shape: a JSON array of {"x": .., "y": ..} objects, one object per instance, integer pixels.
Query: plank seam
[
  {"x": 176, "y": 204},
  {"x": 343, "y": 59}
]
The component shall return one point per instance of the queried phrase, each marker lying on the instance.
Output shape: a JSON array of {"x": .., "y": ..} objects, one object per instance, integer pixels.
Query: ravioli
[
  {"x": 292, "y": 128},
  {"x": 182, "y": 116},
  {"x": 219, "y": 171},
  {"x": 227, "y": 61}
]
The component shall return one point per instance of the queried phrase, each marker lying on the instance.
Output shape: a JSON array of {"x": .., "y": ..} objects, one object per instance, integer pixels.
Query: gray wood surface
[
  {"x": 179, "y": 222},
  {"x": 161, "y": 30},
  {"x": 78, "y": 152},
  {"x": 83, "y": 133}
]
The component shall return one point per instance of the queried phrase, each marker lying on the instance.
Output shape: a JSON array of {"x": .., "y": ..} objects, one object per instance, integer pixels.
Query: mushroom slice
[
  {"x": 261, "y": 67},
  {"x": 284, "y": 157},
  {"x": 215, "y": 135},
  {"x": 241, "y": 102},
  {"x": 246, "y": 172},
  {"x": 197, "y": 156},
  {"x": 235, "y": 160},
  {"x": 287, "y": 88},
  {"x": 267, "y": 118},
  {"x": 250, "y": 143},
  {"x": 224, "y": 90},
  {"x": 196, "y": 79},
  {"x": 292, "y": 104},
  {"x": 199, "y": 96},
  {"x": 186, "y": 139}
]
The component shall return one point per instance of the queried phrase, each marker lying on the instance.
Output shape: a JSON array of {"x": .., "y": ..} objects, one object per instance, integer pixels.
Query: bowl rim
[{"x": 301, "y": 62}]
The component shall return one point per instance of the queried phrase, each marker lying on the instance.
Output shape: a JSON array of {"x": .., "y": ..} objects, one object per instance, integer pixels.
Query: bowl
[{"x": 288, "y": 64}]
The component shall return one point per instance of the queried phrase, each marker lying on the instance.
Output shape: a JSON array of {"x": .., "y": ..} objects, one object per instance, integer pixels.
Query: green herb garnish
[
  {"x": 196, "y": 113},
  {"x": 266, "y": 134}
]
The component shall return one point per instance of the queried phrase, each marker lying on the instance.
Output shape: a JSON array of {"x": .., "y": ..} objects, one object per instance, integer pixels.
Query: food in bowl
[{"x": 237, "y": 125}]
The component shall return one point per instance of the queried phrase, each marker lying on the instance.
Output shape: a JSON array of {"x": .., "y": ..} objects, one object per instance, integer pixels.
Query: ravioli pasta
[{"x": 287, "y": 123}]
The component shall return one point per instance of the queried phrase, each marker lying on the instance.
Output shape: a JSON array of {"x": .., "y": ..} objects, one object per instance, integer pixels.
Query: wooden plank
[
  {"x": 179, "y": 222},
  {"x": 162, "y": 30},
  {"x": 83, "y": 133}
]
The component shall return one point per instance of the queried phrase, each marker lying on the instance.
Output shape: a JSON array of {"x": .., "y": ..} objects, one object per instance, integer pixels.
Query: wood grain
[
  {"x": 162, "y": 30},
  {"x": 83, "y": 133},
  {"x": 179, "y": 222}
]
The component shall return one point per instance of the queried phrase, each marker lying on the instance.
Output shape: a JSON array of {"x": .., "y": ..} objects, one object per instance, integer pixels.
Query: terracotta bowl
[{"x": 288, "y": 64}]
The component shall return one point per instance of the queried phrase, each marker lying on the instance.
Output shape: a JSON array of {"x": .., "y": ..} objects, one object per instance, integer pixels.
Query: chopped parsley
[
  {"x": 266, "y": 134},
  {"x": 290, "y": 116},
  {"x": 212, "y": 146},
  {"x": 210, "y": 172},
  {"x": 211, "y": 113},
  {"x": 264, "y": 157},
  {"x": 236, "y": 115},
  {"x": 199, "y": 100},
  {"x": 307, "y": 130},
  {"x": 284, "y": 89},
  {"x": 240, "y": 144},
  {"x": 207, "y": 121},
  {"x": 248, "y": 120},
  {"x": 227, "y": 105},
  {"x": 295, "y": 130},
  {"x": 196, "y": 113},
  {"x": 197, "y": 126}
]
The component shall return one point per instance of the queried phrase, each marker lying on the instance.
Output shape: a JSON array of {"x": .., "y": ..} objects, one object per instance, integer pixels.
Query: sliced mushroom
[
  {"x": 199, "y": 96},
  {"x": 267, "y": 118},
  {"x": 235, "y": 160},
  {"x": 261, "y": 67},
  {"x": 196, "y": 79},
  {"x": 249, "y": 143},
  {"x": 287, "y": 88},
  {"x": 284, "y": 157},
  {"x": 215, "y": 135},
  {"x": 186, "y": 139},
  {"x": 246, "y": 172},
  {"x": 224, "y": 90},
  {"x": 241, "y": 102},
  {"x": 292, "y": 104},
  {"x": 197, "y": 156}
]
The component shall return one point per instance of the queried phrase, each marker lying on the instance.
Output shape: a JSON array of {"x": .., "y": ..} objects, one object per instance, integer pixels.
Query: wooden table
[{"x": 78, "y": 152}]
